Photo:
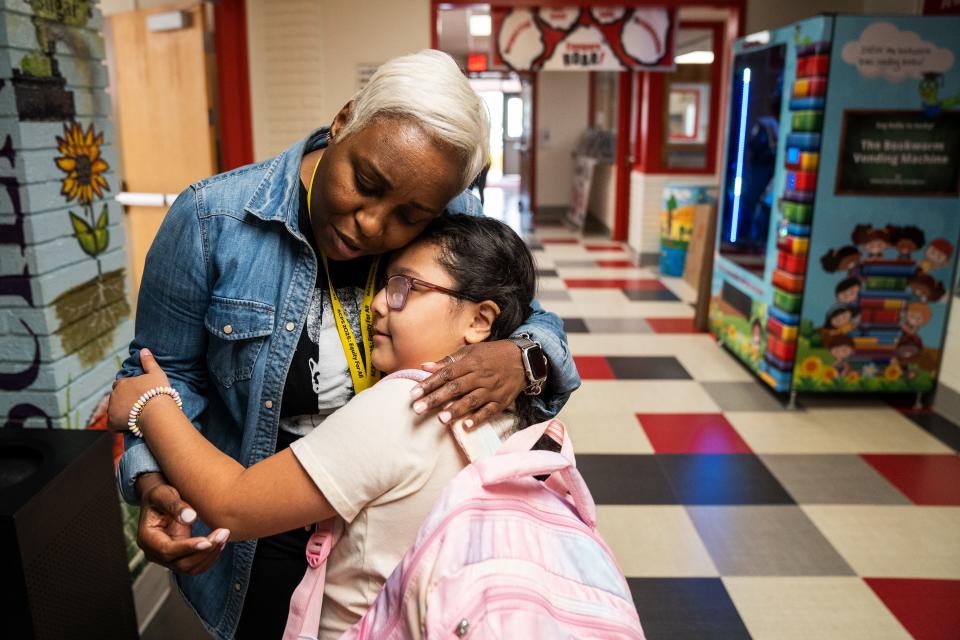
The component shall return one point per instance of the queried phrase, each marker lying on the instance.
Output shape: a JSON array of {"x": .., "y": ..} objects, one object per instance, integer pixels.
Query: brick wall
[{"x": 64, "y": 311}]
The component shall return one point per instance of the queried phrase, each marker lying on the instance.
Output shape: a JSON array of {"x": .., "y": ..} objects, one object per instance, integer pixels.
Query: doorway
[{"x": 505, "y": 103}]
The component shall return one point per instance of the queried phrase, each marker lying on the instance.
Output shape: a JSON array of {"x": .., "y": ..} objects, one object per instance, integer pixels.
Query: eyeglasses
[{"x": 399, "y": 286}]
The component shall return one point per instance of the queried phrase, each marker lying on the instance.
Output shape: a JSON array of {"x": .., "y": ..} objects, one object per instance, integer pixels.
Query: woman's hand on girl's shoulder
[
  {"x": 127, "y": 391},
  {"x": 475, "y": 383}
]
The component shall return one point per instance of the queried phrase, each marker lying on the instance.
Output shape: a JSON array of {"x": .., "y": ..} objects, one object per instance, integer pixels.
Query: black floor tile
[
  {"x": 647, "y": 368},
  {"x": 575, "y": 325},
  {"x": 662, "y": 295},
  {"x": 939, "y": 427},
  {"x": 649, "y": 259},
  {"x": 625, "y": 479},
  {"x": 686, "y": 608},
  {"x": 722, "y": 479}
]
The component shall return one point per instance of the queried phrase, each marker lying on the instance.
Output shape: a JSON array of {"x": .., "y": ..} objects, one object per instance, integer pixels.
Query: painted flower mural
[
  {"x": 82, "y": 163},
  {"x": 91, "y": 311},
  {"x": 80, "y": 159}
]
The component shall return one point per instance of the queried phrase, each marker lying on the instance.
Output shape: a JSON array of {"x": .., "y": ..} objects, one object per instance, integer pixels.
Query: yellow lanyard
[{"x": 362, "y": 376}]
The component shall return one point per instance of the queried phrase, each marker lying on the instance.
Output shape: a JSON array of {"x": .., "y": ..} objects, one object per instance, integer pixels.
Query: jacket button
[
  {"x": 291, "y": 326},
  {"x": 227, "y": 329},
  {"x": 268, "y": 404},
  {"x": 236, "y": 586}
]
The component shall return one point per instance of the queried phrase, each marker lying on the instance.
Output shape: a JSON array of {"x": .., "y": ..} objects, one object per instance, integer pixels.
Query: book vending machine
[{"x": 839, "y": 221}]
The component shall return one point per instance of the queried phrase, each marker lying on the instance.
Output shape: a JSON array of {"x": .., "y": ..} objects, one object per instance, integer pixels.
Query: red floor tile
[
  {"x": 603, "y": 247},
  {"x": 927, "y": 608},
  {"x": 616, "y": 264},
  {"x": 559, "y": 240},
  {"x": 925, "y": 479},
  {"x": 593, "y": 368},
  {"x": 691, "y": 433},
  {"x": 632, "y": 284},
  {"x": 671, "y": 325}
]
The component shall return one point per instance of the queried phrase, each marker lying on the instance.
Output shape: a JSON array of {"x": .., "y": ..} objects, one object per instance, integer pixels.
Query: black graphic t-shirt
[{"x": 319, "y": 382}]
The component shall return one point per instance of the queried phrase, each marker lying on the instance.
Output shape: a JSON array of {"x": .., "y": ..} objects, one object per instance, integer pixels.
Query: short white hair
[{"x": 428, "y": 88}]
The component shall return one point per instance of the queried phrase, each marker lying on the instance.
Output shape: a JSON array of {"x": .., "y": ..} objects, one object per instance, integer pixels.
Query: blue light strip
[{"x": 738, "y": 181}]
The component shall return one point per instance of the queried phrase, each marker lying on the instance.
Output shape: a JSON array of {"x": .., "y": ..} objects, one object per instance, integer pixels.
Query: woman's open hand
[
  {"x": 475, "y": 383},
  {"x": 126, "y": 391}
]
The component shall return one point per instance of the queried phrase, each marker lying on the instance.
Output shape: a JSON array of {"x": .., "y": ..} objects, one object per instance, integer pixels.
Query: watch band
[{"x": 530, "y": 350}]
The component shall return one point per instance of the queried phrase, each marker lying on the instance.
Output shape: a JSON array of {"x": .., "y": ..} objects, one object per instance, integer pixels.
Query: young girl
[{"x": 375, "y": 464}]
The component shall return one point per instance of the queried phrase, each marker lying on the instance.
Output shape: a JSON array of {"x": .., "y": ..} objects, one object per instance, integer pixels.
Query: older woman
[{"x": 256, "y": 299}]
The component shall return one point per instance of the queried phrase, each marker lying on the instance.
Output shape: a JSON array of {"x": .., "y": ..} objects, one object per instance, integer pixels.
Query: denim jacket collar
[{"x": 276, "y": 199}]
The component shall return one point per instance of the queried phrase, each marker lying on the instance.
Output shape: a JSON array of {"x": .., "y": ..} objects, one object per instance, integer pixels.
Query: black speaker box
[{"x": 62, "y": 554}]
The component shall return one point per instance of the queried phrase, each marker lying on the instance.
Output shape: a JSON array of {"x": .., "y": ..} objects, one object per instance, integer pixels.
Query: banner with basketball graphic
[{"x": 585, "y": 39}]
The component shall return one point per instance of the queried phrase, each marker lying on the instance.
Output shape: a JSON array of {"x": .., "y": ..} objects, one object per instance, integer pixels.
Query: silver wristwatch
[{"x": 535, "y": 364}]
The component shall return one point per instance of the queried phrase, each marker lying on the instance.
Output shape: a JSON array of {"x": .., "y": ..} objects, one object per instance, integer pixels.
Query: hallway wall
[
  {"x": 305, "y": 55},
  {"x": 769, "y": 14}
]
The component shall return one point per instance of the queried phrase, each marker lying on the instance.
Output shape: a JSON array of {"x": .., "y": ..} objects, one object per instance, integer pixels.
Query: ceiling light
[
  {"x": 480, "y": 25},
  {"x": 695, "y": 57}
]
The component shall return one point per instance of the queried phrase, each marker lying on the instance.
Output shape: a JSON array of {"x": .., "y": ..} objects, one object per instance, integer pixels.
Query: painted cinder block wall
[{"x": 64, "y": 310}]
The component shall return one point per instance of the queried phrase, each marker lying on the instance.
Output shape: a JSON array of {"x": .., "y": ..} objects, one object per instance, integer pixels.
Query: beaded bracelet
[{"x": 142, "y": 402}]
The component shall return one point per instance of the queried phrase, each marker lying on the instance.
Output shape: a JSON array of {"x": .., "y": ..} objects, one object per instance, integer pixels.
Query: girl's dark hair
[
  {"x": 487, "y": 261},
  {"x": 831, "y": 260}
]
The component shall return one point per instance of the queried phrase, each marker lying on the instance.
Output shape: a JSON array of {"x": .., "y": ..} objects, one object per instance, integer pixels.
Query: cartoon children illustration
[
  {"x": 909, "y": 347},
  {"x": 840, "y": 321},
  {"x": 929, "y": 90},
  {"x": 906, "y": 240},
  {"x": 873, "y": 240},
  {"x": 918, "y": 314},
  {"x": 848, "y": 293},
  {"x": 841, "y": 348},
  {"x": 937, "y": 255},
  {"x": 846, "y": 258},
  {"x": 925, "y": 287},
  {"x": 756, "y": 338}
]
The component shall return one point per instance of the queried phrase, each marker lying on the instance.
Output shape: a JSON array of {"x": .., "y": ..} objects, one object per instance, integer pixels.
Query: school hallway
[{"x": 731, "y": 516}]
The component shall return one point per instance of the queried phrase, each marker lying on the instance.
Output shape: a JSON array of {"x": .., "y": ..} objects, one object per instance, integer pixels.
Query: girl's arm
[{"x": 272, "y": 496}]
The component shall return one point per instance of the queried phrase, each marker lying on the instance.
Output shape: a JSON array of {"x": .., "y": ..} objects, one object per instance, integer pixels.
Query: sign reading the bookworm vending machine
[
  {"x": 899, "y": 153},
  {"x": 581, "y": 39},
  {"x": 903, "y": 152}
]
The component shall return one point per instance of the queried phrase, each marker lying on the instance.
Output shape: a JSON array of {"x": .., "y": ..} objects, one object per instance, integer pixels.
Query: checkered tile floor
[{"x": 731, "y": 516}]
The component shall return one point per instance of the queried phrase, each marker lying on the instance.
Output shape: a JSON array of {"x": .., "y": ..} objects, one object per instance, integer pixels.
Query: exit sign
[{"x": 476, "y": 62}]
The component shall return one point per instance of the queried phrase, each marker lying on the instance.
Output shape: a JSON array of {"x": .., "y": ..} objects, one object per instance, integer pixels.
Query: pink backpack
[{"x": 501, "y": 555}]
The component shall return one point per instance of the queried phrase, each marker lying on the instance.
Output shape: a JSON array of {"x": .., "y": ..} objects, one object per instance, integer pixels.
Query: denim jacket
[{"x": 223, "y": 300}]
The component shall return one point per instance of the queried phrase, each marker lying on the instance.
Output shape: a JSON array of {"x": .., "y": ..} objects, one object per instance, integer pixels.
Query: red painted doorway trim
[
  {"x": 235, "y": 139},
  {"x": 621, "y": 211}
]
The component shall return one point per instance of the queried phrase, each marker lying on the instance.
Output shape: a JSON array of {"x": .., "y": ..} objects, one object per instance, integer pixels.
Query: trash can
[{"x": 62, "y": 551}]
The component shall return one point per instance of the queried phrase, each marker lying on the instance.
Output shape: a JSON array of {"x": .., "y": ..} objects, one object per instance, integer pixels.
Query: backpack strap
[
  {"x": 516, "y": 460},
  {"x": 303, "y": 620}
]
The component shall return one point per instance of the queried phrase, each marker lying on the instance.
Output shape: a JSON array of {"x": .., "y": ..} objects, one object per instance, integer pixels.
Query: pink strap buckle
[{"x": 318, "y": 547}]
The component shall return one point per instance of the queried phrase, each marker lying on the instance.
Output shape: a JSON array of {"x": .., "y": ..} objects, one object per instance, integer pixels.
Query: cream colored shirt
[{"x": 382, "y": 468}]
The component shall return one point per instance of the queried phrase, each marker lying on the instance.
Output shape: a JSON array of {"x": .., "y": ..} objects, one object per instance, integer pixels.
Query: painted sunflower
[
  {"x": 893, "y": 372},
  {"x": 810, "y": 366},
  {"x": 828, "y": 375},
  {"x": 82, "y": 163},
  {"x": 853, "y": 377}
]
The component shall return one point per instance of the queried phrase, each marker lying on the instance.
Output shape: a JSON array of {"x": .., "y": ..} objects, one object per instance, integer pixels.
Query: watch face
[{"x": 538, "y": 362}]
